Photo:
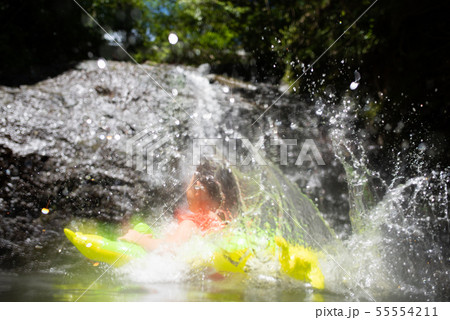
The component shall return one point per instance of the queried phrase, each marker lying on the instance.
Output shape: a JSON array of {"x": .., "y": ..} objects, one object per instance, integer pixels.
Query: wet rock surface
[{"x": 63, "y": 146}]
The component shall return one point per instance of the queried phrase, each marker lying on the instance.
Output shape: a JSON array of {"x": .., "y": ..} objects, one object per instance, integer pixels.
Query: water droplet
[
  {"x": 177, "y": 122},
  {"x": 207, "y": 116},
  {"x": 173, "y": 38},
  {"x": 422, "y": 146},
  {"x": 226, "y": 89},
  {"x": 45, "y": 211},
  {"x": 354, "y": 85},
  {"x": 174, "y": 92},
  {"x": 88, "y": 245},
  {"x": 101, "y": 63},
  {"x": 232, "y": 100}
]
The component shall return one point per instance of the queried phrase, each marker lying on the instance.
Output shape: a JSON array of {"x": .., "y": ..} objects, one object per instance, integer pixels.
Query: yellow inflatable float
[{"x": 231, "y": 256}]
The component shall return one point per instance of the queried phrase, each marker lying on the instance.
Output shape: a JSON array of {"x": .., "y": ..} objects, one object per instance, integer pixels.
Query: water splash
[{"x": 396, "y": 249}]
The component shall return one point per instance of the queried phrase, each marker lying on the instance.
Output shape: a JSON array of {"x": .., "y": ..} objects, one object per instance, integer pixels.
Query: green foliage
[
  {"x": 269, "y": 40},
  {"x": 206, "y": 31}
]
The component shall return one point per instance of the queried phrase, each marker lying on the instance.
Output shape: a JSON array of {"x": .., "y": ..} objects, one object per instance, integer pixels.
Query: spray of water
[{"x": 396, "y": 251}]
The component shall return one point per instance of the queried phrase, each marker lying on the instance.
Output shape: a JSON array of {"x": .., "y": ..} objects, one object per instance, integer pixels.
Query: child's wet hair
[{"x": 221, "y": 185}]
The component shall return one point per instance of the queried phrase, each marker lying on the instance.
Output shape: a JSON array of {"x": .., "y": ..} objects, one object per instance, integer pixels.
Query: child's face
[
  {"x": 198, "y": 196},
  {"x": 196, "y": 192}
]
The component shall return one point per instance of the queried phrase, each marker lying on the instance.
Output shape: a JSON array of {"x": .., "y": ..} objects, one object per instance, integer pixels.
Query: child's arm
[{"x": 184, "y": 231}]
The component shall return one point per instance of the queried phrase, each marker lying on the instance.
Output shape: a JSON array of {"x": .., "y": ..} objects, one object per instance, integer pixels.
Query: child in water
[{"x": 212, "y": 199}]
